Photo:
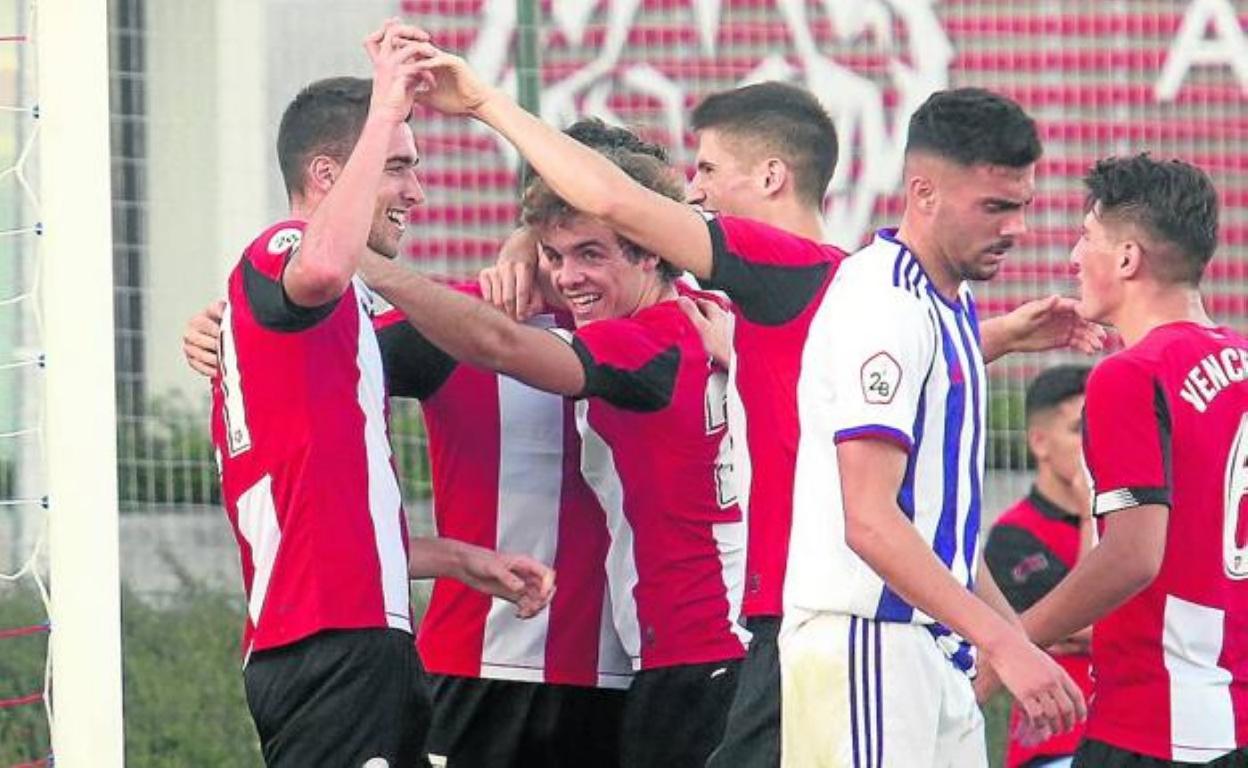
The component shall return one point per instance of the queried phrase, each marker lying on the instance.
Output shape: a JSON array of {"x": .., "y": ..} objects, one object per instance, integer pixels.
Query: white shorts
[{"x": 857, "y": 693}]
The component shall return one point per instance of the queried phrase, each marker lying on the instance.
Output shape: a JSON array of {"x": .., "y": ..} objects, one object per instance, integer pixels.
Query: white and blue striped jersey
[{"x": 888, "y": 358}]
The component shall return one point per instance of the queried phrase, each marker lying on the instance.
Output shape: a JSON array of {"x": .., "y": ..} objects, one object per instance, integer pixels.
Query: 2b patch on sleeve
[{"x": 881, "y": 375}]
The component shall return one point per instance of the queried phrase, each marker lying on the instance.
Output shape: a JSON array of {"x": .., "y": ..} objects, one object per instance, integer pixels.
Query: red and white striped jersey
[
  {"x": 299, "y": 427},
  {"x": 657, "y": 414},
  {"x": 1166, "y": 422},
  {"x": 505, "y": 466},
  {"x": 776, "y": 281}
]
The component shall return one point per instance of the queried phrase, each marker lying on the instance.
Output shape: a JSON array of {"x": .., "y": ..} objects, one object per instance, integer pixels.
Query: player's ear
[
  {"x": 921, "y": 192},
  {"x": 775, "y": 172},
  {"x": 1130, "y": 258},
  {"x": 1037, "y": 443},
  {"x": 322, "y": 171}
]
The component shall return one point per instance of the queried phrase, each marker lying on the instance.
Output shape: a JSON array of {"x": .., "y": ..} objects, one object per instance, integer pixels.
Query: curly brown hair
[{"x": 540, "y": 207}]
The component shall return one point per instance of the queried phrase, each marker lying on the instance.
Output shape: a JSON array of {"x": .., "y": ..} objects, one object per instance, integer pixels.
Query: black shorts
[
  {"x": 1098, "y": 754},
  {"x": 340, "y": 698},
  {"x": 752, "y": 736},
  {"x": 675, "y": 716},
  {"x": 504, "y": 724}
]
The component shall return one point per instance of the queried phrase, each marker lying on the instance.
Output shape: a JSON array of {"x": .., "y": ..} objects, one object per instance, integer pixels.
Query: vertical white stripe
[
  {"x": 743, "y": 469},
  {"x": 385, "y": 502},
  {"x": 257, "y": 524},
  {"x": 598, "y": 468},
  {"x": 615, "y": 669},
  {"x": 1202, "y": 719},
  {"x": 530, "y": 480},
  {"x": 238, "y": 434},
  {"x": 730, "y": 541}
]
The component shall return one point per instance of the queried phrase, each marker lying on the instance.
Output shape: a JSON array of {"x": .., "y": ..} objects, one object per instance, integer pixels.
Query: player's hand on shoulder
[
  {"x": 1046, "y": 694},
  {"x": 199, "y": 339},
  {"x": 714, "y": 325},
  {"x": 512, "y": 283}
]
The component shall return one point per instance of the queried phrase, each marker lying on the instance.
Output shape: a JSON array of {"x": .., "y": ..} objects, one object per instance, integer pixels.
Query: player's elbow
[
  {"x": 862, "y": 534},
  {"x": 1139, "y": 570},
  {"x": 310, "y": 282}
]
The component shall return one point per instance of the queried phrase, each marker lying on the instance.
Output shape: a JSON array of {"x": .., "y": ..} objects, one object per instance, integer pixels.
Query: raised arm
[
  {"x": 585, "y": 179},
  {"x": 337, "y": 230}
]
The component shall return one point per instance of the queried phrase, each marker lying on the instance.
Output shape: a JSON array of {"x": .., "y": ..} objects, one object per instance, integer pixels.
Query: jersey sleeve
[
  {"x": 771, "y": 275},
  {"x": 1126, "y": 437},
  {"x": 413, "y": 365},
  {"x": 627, "y": 364},
  {"x": 264, "y": 262},
  {"x": 883, "y": 346},
  {"x": 1023, "y": 567}
]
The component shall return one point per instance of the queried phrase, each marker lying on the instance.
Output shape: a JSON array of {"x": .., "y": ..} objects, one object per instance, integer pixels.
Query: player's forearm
[
  {"x": 337, "y": 232},
  {"x": 995, "y": 338},
  {"x": 474, "y": 332},
  {"x": 986, "y": 589},
  {"x": 437, "y": 558},
  {"x": 591, "y": 183},
  {"x": 464, "y": 327},
  {"x": 888, "y": 543},
  {"x": 1110, "y": 574}
]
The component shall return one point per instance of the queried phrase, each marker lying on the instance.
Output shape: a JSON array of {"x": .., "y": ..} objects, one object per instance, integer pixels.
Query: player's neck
[
  {"x": 928, "y": 253},
  {"x": 1149, "y": 306},
  {"x": 1051, "y": 487},
  {"x": 658, "y": 291},
  {"x": 301, "y": 209},
  {"x": 794, "y": 218}
]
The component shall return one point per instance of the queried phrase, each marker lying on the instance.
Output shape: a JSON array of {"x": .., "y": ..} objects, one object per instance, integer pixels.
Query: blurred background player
[
  {"x": 654, "y": 433},
  {"x": 1166, "y": 443},
  {"x": 889, "y": 480},
  {"x": 1035, "y": 543}
]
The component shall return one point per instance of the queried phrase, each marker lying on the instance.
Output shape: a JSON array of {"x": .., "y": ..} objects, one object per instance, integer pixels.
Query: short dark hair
[
  {"x": 974, "y": 126},
  {"x": 1172, "y": 201},
  {"x": 326, "y": 118},
  {"x": 1053, "y": 387},
  {"x": 784, "y": 119},
  {"x": 540, "y": 206}
]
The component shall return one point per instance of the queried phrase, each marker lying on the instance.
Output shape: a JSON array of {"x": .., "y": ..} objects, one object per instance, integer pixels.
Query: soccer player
[
  {"x": 1036, "y": 542},
  {"x": 298, "y": 422},
  {"x": 767, "y": 150},
  {"x": 654, "y": 431},
  {"x": 889, "y": 480},
  {"x": 1166, "y": 443}
]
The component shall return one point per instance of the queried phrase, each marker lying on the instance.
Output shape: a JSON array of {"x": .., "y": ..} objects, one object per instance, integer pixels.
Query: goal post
[{"x": 80, "y": 425}]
